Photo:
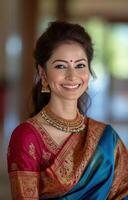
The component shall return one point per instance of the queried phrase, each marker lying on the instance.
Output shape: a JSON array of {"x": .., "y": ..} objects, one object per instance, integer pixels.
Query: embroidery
[
  {"x": 32, "y": 151},
  {"x": 71, "y": 161},
  {"x": 46, "y": 155},
  {"x": 51, "y": 146},
  {"x": 83, "y": 148},
  {"x": 119, "y": 188},
  {"x": 24, "y": 185},
  {"x": 52, "y": 187},
  {"x": 14, "y": 166}
]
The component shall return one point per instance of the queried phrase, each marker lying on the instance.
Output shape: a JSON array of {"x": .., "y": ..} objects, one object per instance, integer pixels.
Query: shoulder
[
  {"x": 95, "y": 126},
  {"x": 108, "y": 132},
  {"x": 108, "y": 137},
  {"x": 24, "y": 149},
  {"x": 24, "y": 132},
  {"x": 94, "y": 122}
]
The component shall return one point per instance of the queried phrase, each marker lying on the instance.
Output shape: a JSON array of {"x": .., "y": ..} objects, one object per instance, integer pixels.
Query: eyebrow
[{"x": 60, "y": 60}]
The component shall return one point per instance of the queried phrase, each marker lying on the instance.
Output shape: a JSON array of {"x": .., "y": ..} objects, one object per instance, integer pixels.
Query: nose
[{"x": 71, "y": 74}]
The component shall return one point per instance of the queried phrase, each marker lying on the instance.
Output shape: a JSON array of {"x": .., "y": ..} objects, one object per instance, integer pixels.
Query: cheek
[
  {"x": 50, "y": 75},
  {"x": 86, "y": 78},
  {"x": 54, "y": 78}
]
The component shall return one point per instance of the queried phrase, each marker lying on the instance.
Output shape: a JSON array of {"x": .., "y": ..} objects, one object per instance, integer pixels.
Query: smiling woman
[
  {"x": 67, "y": 74},
  {"x": 60, "y": 153}
]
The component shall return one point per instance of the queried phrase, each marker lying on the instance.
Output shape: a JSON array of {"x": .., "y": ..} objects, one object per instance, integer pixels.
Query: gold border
[{"x": 24, "y": 185}]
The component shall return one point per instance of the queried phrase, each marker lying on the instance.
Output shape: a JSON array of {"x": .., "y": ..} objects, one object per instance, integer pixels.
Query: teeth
[{"x": 71, "y": 86}]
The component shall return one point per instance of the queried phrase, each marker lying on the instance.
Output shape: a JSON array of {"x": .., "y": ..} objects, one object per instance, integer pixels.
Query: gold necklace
[{"x": 69, "y": 126}]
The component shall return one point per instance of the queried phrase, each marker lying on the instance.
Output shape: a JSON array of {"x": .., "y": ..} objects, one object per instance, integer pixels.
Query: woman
[{"x": 58, "y": 153}]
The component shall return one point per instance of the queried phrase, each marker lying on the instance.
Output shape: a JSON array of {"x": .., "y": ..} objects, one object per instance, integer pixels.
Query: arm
[
  {"x": 119, "y": 188},
  {"x": 24, "y": 163}
]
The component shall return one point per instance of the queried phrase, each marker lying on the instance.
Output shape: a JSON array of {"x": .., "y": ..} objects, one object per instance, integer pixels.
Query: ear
[{"x": 42, "y": 72}]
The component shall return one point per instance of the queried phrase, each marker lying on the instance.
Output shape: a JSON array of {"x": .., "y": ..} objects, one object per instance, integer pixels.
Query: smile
[{"x": 71, "y": 86}]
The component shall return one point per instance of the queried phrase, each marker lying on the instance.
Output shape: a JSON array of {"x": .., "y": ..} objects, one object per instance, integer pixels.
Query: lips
[{"x": 75, "y": 86}]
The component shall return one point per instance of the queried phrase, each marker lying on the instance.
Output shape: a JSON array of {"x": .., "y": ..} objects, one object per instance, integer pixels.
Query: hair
[{"x": 58, "y": 33}]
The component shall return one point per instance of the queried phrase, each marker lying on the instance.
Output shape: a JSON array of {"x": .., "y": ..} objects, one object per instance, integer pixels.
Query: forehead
[{"x": 72, "y": 50}]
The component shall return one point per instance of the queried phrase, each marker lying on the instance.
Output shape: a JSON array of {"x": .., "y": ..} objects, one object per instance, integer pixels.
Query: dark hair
[{"x": 59, "y": 32}]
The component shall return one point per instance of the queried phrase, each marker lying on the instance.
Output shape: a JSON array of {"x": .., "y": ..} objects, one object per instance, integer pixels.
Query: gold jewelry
[
  {"x": 69, "y": 126},
  {"x": 45, "y": 87}
]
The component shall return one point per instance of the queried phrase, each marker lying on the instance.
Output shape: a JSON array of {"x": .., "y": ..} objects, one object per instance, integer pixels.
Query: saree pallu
[{"x": 92, "y": 165}]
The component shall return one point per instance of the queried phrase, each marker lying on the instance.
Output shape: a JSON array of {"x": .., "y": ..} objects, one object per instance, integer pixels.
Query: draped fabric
[{"x": 92, "y": 165}]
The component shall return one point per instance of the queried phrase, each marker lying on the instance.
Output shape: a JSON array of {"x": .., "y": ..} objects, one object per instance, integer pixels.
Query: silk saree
[{"x": 92, "y": 165}]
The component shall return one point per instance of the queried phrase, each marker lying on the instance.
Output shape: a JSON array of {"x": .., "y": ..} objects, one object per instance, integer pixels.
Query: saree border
[
  {"x": 47, "y": 140},
  {"x": 66, "y": 153},
  {"x": 24, "y": 185},
  {"x": 117, "y": 191},
  {"x": 69, "y": 165}
]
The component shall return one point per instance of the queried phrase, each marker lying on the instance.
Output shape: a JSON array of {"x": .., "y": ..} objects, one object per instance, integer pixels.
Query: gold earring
[{"x": 45, "y": 87}]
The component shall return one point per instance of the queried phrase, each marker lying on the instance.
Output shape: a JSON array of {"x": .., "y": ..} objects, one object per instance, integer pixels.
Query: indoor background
[{"x": 22, "y": 21}]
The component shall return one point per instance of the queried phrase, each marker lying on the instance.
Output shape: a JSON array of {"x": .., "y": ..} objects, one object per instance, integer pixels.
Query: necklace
[{"x": 68, "y": 126}]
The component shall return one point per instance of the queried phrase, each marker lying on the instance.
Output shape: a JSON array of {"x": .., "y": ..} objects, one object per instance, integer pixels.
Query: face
[{"x": 67, "y": 72}]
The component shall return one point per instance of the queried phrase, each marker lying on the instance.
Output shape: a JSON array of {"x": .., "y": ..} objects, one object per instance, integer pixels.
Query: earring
[{"x": 45, "y": 87}]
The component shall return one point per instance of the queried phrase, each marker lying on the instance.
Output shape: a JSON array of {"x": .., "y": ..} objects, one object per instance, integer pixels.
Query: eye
[
  {"x": 60, "y": 66},
  {"x": 80, "y": 65}
]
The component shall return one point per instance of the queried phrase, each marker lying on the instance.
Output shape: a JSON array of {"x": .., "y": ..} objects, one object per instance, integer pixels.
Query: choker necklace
[{"x": 68, "y": 126}]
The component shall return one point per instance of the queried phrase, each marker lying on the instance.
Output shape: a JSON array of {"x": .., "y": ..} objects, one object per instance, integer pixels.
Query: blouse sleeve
[
  {"x": 119, "y": 188},
  {"x": 23, "y": 159}
]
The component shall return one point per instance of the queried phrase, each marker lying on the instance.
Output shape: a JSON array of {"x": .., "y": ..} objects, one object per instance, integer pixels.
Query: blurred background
[{"x": 22, "y": 21}]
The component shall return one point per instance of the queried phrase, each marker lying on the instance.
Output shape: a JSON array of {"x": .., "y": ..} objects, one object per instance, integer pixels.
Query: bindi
[{"x": 71, "y": 60}]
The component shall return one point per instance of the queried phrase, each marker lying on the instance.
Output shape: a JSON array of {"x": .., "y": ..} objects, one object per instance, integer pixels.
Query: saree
[{"x": 92, "y": 165}]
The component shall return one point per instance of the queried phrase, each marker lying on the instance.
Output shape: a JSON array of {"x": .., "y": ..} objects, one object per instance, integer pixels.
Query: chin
[{"x": 71, "y": 98}]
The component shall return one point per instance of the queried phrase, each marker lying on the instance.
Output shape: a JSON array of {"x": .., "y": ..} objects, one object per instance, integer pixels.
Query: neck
[{"x": 65, "y": 109}]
